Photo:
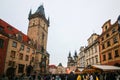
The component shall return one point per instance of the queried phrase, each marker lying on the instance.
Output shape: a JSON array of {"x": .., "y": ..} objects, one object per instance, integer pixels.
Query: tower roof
[
  {"x": 39, "y": 13},
  {"x": 69, "y": 54},
  {"x": 40, "y": 10}
]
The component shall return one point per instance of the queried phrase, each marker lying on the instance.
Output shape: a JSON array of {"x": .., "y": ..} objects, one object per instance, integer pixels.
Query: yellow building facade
[
  {"x": 110, "y": 44},
  {"x": 19, "y": 56}
]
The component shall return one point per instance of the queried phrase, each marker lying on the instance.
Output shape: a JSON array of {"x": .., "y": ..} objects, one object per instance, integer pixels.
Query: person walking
[{"x": 79, "y": 77}]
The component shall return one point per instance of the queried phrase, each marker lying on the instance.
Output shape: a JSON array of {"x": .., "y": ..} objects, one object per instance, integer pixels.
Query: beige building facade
[
  {"x": 19, "y": 56},
  {"x": 92, "y": 51},
  {"x": 38, "y": 32},
  {"x": 81, "y": 57}
]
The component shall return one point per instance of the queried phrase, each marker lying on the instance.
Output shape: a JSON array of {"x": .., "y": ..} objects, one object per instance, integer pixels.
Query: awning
[{"x": 106, "y": 67}]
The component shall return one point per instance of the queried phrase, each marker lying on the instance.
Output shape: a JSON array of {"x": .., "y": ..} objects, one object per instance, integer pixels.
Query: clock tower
[
  {"x": 38, "y": 32},
  {"x": 38, "y": 28}
]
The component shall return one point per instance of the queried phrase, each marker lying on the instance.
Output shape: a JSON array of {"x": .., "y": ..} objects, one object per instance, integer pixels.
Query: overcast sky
[{"x": 71, "y": 21}]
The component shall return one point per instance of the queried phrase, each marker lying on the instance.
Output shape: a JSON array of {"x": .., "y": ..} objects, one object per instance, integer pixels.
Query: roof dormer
[{"x": 106, "y": 26}]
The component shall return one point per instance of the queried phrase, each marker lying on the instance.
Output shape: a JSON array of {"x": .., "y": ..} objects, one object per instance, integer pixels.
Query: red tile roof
[
  {"x": 12, "y": 30},
  {"x": 52, "y": 66}
]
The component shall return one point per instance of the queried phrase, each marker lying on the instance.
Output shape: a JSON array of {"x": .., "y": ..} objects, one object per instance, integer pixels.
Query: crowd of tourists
[{"x": 71, "y": 76}]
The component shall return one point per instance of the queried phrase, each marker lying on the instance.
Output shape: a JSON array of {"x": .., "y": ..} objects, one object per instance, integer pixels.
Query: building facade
[
  {"x": 110, "y": 43},
  {"x": 92, "y": 51},
  {"x": 18, "y": 51},
  {"x": 53, "y": 69},
  {"x": 81, "y": 58},
  {"x": 72, "y": 61},
  {"x": 3, "y": 48}
]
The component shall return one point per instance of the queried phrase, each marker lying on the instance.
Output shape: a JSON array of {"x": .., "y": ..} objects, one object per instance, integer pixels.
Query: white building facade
[
  {"x": 92, "y": 51},
  {"x": 81, "y": 57}
]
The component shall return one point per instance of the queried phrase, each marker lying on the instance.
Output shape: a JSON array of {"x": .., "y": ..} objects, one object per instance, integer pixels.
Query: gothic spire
[
  {"x": 40, "y": 10},
  {"x": 75, "y": 54},
  {"x": 48, "y": 21},
  {"x": 119, "y": 19},
  {"x": 30, "y": 13},
  {"x": 69, "y": 54}
]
